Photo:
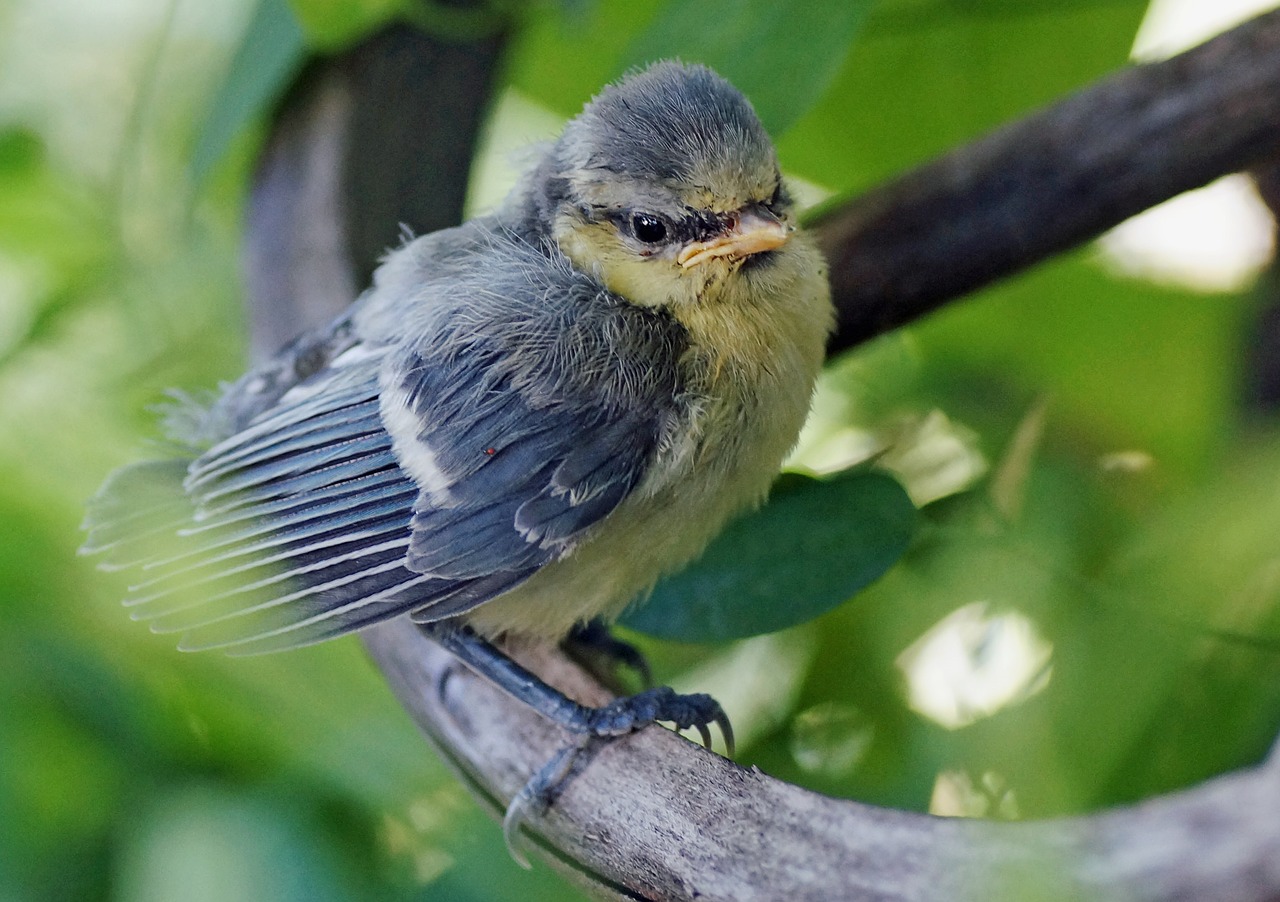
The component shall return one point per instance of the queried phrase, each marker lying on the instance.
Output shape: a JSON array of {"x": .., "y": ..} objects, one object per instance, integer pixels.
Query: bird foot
[
  {"x": 596, "y": 726},
  {"x": 536, "y": 796},
  {"x": 661, "y": 703},
  {"x": 590, "y": 727}
]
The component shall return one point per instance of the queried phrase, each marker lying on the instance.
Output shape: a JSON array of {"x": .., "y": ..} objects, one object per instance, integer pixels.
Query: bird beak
[{"x": 752, "y": 232}]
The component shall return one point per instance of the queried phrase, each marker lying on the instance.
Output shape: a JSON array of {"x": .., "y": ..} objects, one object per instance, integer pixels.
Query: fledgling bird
[{"x": 524, "y": 422}]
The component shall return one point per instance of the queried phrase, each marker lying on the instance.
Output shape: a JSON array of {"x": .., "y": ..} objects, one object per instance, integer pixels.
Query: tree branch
[
  {"x": 364, "y": 145},
  {"x": 654, "y": 816},
  {"x": 1053, "y": 180}
]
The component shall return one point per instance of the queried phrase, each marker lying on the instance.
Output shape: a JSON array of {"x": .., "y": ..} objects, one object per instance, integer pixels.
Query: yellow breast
[{"x": 751, "y": 366}]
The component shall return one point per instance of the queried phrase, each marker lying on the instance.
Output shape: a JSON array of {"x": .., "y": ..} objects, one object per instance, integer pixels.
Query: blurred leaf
[
  {"x": 334, "y": 24},
  {"x": 1212, "y": 556},
  {"x": 21, "y": 151},
  {"x": 271, "y": 50},
  {"x": 1206, "y": 569},
  {"x": 926, "y": 75},
  {"x": 43, "y": 216},
  {"x": 562, "y": 60},
  {"x": 203, "y": 845},
  {"x": 1068, "y": 329},
  {"x": 916, "y": 78},
  {"x": 783, "y": 56},
  {"x": 51, "y": 257},
  {"x": 811, "y": 547},
  {"x": 52, "y": 801}
]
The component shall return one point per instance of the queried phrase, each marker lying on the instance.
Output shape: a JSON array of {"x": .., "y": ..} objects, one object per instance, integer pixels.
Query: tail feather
[{"x": 134, "y": 512}]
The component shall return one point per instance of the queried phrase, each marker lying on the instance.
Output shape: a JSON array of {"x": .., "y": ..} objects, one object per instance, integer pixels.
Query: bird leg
[
  {"x": 595, "y": 648},
  {"x": 591, "y": 726}
]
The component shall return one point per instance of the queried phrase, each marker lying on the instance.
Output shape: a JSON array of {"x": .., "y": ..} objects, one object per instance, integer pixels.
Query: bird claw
[
  {"x": 536, "y": 796},
  {"x": 662, "y": 703}
]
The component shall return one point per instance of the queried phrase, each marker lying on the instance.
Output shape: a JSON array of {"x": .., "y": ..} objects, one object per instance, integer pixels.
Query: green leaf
[
  {"x": 783, "y": 56},
  {"x": 21, "y": 152},
  {"x": 927, "y": 75},
  {"x": 334, "y": 24},
  {"x": 206, "y": 844},
  {"x": 1206, "y": 558},
  {"x": 1067, "y": 329},
  {"x": 562, "y": 60},
  {"x": 812, "y": 546},
  {"x": 271, "y": 51}
]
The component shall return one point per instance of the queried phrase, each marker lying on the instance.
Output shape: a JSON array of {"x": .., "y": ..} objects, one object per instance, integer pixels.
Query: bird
[{"x": 520, "y": 426}]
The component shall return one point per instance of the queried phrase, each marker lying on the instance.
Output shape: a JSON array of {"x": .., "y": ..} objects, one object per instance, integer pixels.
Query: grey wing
[
  {"x": 517, "y": 484},
  {"x": 305, "y": 525},
  {"x": 295, "y": 528}
]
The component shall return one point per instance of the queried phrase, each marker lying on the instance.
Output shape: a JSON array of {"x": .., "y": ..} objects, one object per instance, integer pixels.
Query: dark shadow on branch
[{"x": 1262, "y": 373}]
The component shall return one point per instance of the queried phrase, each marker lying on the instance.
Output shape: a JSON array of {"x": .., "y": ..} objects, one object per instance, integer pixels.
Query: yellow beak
[{"x": 751, "y": 234}]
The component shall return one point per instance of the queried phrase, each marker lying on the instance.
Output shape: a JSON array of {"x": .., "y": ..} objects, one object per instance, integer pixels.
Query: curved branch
[
  {"x": 654, "y": 816},
  {"x": 363, "y": 146}
]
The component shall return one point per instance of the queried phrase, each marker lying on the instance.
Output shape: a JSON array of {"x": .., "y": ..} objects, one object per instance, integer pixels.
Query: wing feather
[{"x": 427, "y": 471}]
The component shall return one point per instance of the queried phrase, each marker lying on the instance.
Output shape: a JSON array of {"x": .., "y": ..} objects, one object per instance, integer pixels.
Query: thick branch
[
  {"x": 653, "y": 816},
  {"x": 363, "y": 146},
  {"x": 657, "y": 817},
  {"x": 1053, "y": 180}
]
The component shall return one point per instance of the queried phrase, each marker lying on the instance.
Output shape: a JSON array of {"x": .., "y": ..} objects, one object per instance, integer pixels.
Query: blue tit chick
[
  {"x": 525, "y": 422},
  {"x": 528, "y": 419}
]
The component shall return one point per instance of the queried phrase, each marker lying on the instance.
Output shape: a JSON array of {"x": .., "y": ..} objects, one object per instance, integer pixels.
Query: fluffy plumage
[{"x": 526, "y": 421}]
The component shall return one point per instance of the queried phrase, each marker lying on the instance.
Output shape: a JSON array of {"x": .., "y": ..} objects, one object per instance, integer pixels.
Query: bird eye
[{"x": 648, "y": 228}]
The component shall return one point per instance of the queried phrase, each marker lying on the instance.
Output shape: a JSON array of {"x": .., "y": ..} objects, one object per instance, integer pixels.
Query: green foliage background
[{"x": 131, "y": 772}]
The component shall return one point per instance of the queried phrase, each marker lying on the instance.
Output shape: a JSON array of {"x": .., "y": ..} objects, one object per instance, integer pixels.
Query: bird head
[{"x": 666, "y": 188}]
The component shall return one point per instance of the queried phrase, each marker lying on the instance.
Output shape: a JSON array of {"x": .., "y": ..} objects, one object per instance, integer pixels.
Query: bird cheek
[
  {"x": 703, "y": 284},
  {"x": 588, "y": 246}
]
